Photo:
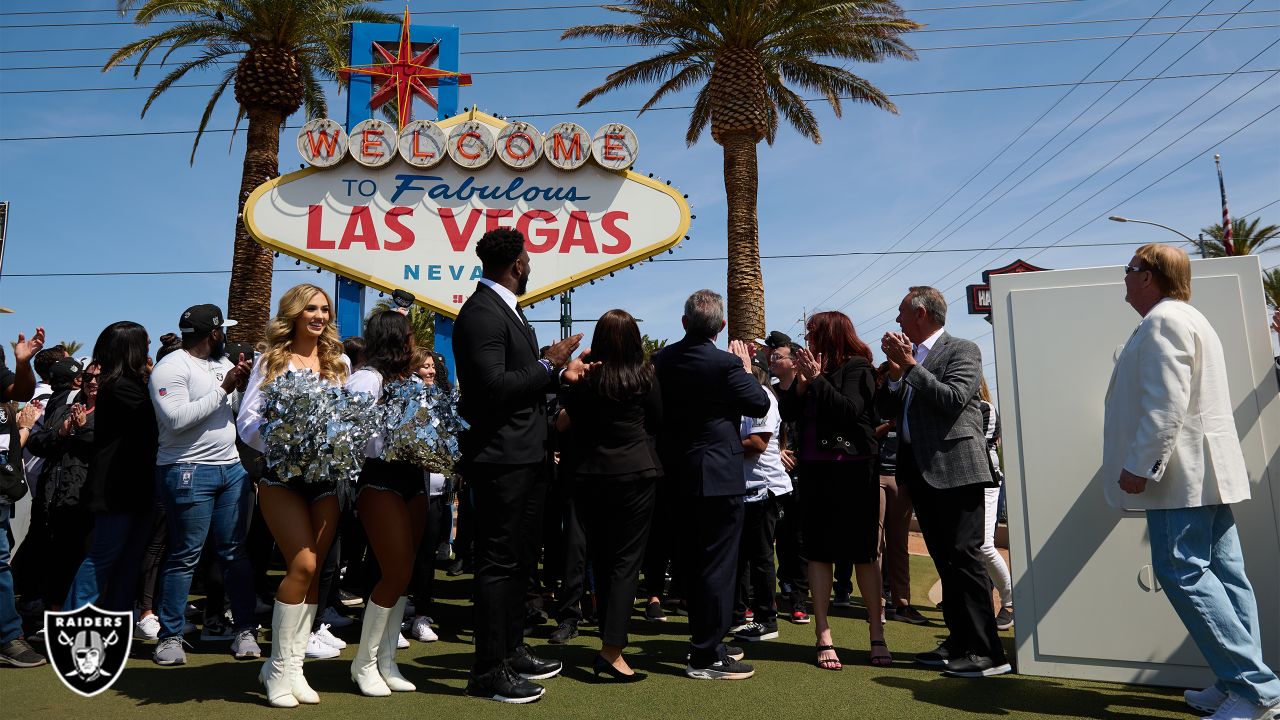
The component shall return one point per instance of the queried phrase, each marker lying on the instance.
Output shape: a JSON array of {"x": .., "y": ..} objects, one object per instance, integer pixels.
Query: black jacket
[
  {"x": 705, "y": 394},
  {"x": 613, "y": 438},
  {"x": 66, "y": 467},
  {"x": 846, "y": 415},
  {"x": 502, "y": 385},
  {"x": 122, "y": 474}
]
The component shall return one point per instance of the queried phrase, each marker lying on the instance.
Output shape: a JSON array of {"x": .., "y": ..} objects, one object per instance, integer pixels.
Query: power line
[
  {"x": 431, "y": 12},
  {"x": 936, "y": 240},
  {"x": 130, "y": 273},
  {"x": 619, "y": 111},
  {"x": 1015, "y": 26},
  {"x": 1150, "y": 185},
  {"x": 1008, "y": 146}
]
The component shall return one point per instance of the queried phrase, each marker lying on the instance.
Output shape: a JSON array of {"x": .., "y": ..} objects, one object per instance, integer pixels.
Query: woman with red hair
[{"x": 840, "y": 497}]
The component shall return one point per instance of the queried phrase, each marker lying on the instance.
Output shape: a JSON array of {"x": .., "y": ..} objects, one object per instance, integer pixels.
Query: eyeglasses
[
  {"x": 779, "y": 356},
  {"x": 1131, "y": 269}
]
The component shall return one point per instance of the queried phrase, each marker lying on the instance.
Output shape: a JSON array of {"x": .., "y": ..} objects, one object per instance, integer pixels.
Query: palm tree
[
  {"x": 741, "y": 55},
  {"x": 282, "y": 50},
  {"x": 421, "y": 320},
  {"x": 1246, "y": 236},
  {"x": 1271, "y": 286},
  {"x": 71, "y": 346}
]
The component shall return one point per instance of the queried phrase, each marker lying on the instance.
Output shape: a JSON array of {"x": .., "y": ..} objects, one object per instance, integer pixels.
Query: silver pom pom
[{"x": 421, "y": 425}]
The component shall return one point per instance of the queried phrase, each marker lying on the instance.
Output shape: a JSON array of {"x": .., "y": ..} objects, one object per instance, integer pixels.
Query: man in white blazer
[{"x": 1170, "y": 441}]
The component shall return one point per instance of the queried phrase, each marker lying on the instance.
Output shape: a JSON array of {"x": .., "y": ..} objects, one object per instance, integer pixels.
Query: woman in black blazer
[
  {"x": 612, "y": 418},
  {"x": 833, "y": 401},
  {"x": 122, "y": 471}
]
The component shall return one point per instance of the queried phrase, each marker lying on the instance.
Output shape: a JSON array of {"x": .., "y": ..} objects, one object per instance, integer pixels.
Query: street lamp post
[{"x": 1198, "y": 243}]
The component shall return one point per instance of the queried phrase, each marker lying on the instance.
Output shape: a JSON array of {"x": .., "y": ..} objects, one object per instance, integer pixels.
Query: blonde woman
[{"x": 302, "y": 516}]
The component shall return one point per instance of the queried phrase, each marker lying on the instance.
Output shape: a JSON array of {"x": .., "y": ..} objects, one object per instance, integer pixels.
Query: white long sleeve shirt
[
  {"x": 249, "y": 421},
  {"x": 195, "y": 415}
]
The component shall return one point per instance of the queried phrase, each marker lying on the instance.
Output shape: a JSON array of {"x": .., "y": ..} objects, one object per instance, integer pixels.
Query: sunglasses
[
  {"x": 779, "y": 356},
  {"x": 1131, "y": 269},
  {"x": 90, "y": 377}
]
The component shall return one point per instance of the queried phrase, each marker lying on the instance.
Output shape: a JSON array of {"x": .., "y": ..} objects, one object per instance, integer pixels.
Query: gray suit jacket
[{"x": 944, "y": 417}]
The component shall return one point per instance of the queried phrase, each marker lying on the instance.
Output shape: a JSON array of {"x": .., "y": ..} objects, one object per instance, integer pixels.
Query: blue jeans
[
  {"x": 199, "y": 499},
  {"x": 1195, "y": 553},
  {"x": 108, "y": 577},
  {"x": 10, "y": 621}
]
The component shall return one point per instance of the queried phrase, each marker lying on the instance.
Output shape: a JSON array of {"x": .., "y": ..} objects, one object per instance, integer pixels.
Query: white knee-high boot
[
  {"x": 387, "y": 651},
  {"x": 364, "y": 668},
  {"x": 297, "y": 653},
  {"x": 274, "y": 675}
]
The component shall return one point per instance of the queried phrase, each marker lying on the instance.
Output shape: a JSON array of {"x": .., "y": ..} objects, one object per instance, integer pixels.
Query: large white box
[{"x": 1086, "y": 601}]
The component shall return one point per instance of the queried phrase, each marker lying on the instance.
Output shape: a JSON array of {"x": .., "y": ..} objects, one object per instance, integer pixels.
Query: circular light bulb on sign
[
  {"x": 322, "y": 142},
  {"x": 471, "y": 144},
  {"x": 373, "y": 142},
  {"x": 567, "y": 145},
  {"x": 519, "y": 145},
  {"x": 615, "y": 147},
  {"x": 422, "y": 144}
]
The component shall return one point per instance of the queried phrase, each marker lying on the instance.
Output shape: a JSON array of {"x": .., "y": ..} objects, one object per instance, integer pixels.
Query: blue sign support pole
[{"x": 350, "y": 294}]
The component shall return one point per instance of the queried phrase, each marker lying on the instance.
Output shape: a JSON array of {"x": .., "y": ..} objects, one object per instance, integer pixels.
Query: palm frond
[{"x": 227, "y": 77}]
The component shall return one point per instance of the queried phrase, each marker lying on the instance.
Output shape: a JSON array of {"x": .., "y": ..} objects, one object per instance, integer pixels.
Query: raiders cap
[{"x": 201, "y": 319}]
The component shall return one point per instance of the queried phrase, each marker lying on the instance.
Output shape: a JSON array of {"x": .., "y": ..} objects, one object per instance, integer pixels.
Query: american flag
[{"x": 1226, "y": 217}]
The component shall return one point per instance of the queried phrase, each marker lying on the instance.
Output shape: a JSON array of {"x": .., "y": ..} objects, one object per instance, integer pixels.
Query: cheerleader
[
  {"x": 391, "y": 500},
  {"x": 302, "y": 515}
]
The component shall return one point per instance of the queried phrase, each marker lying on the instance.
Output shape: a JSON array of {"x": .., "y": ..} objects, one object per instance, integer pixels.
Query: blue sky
[{"x": 1043, "y": 166}]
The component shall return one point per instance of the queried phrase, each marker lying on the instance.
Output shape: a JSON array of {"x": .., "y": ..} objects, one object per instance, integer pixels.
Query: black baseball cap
[
  {"x": 777, "y": 339},
  {"x": 64, "y": 372},
  {"x": 202, "y": 319}
]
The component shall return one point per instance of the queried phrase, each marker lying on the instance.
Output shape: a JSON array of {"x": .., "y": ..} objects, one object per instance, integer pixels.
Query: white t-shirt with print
[{"x": 764, "y": 472}]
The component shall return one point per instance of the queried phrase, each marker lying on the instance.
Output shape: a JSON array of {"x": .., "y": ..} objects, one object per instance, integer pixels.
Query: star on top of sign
[{"x": 404, "y": 75}]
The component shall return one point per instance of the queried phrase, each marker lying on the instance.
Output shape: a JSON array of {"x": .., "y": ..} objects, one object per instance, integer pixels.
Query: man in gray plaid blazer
[{"x": 932, "y": 393}]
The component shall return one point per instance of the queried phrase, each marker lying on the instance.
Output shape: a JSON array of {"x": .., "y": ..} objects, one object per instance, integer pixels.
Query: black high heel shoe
[{"x": 604, "y": 670}]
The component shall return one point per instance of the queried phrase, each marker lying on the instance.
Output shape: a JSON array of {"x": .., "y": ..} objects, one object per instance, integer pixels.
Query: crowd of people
[{"x": 739, "y": 488}]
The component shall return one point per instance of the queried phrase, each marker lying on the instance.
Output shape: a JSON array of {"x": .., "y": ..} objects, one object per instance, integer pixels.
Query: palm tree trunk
[
  {"x": 249, "y": 296},
  {"x": 745, "y": 282}
]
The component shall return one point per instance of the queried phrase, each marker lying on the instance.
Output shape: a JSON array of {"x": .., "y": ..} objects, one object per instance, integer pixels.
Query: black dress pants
[
  {"x": 793, "y": 569},
  {"x": 755, "y": 561},
  {"x": 507, "y": 521},
  {"x": 572, "y": 555},
  {"x": 951, "y": 521},
  {"x": 660, "y": 553},
  {"x": 712, "y": 529},
  {"x": 616, "y": 514},
  {"x": 424, "y": 568}
]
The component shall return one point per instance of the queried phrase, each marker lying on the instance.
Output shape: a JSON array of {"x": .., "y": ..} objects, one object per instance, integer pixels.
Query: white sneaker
[
  {"x": 401, "y": 642},
  {"x": 1207, "y": 700},
  {"x": 333, "y": 618},
  {"x": 422, "y": 631},
  {"x": 319, "y": 649},
  {"x": 329, "y": 638},
  {"x": 1238, "y": 708},
  {"x": 148, "y": 628}
]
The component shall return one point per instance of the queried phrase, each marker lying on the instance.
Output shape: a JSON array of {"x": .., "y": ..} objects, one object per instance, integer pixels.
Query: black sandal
[
  {"x": 881, "y": 660},
  {"x": 828, "y": 664}
]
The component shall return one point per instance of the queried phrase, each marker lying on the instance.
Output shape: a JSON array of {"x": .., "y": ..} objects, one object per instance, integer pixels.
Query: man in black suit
[
  {"x": 705, "y": 394},
  {"x": 503, "y": 384}
]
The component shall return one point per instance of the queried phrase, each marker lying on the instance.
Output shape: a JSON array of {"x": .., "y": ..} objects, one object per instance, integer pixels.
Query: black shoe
[
  {"x": 653, "y": 611},
  {"x": 842, "y": 599},
  {"x": 349, "y": 600},
  {"x": 604, "y": 670},
  {"x": 531, "y": 667},
  {"x": 976, "y": 666},
  {"x": 938, "y": 657},
  {"x": 728, "y": 669},
  {"x": 19, "y": 653},
  {"x": 908, "y": 614},
  {"x": 566, "y": 631},
  {"x": 455, "y": 570},
  {"x": 758, "y": 631},
  {"x": 1004, "y": 620},
  {"x": 504, "y": 686}
]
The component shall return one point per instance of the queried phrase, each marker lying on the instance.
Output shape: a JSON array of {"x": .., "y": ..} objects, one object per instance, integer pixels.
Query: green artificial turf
[{"x": 213, "y": 686}]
